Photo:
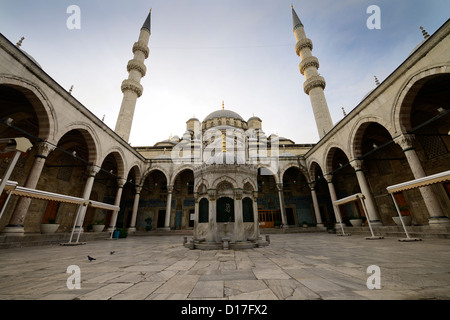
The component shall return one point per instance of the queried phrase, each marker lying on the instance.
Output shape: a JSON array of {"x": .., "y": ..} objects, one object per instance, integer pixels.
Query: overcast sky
[{"x": 203, "y": 52}]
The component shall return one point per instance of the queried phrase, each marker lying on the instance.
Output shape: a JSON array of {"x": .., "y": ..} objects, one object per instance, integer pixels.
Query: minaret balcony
[
  {"x": 135, "y": 64},
  {"x": 310, "y": 61},
  {"x": 132, "y": 85},
  {"x": 313, "y": 82},
  {"x": 303, "y": 43},
  {"x": 141, "y": 46}
]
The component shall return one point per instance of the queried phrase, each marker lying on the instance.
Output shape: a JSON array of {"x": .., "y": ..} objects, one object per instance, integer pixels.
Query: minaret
[
  {"x": 131, "y": 87},
  {"x": 314, "y": 84}
]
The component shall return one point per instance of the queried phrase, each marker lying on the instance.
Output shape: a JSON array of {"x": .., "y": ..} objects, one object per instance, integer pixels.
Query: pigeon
[
  {"x": 112, "y": 252},
  {"x": 90, "y": 258}
]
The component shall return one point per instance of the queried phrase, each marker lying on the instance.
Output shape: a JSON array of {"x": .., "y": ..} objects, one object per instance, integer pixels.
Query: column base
[
  {"x": 438, "y": 221},
  {"x": 13, "y": 230},
  {"x": 375, "y": 223},
  {"x": 131, "y": 229}
]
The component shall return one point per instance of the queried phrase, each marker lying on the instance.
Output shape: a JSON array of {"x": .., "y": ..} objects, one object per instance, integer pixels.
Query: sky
[{"x": 203, "y": 52}]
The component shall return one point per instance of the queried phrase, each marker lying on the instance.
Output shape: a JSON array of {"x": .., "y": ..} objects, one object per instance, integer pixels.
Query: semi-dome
[{"x": 223, "y": 114}]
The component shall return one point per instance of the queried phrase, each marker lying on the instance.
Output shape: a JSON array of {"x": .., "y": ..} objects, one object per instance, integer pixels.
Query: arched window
[
  {"x": 247, "y": 210},
  {"x": 225, "y": 209},
  {"x": 203, "y": 210}
]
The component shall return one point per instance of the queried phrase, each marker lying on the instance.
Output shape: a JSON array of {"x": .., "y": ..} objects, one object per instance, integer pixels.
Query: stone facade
[{"x": 398, "y": 132}]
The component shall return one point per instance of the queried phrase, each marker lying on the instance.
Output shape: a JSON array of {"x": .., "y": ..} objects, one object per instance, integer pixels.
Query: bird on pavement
[{"x": 90, "y": 258}]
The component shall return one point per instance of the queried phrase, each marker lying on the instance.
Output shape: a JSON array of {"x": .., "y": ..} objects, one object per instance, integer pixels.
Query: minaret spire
[
  {"x": 131, "y": 87},
  {"x": 314, "y": 84}
]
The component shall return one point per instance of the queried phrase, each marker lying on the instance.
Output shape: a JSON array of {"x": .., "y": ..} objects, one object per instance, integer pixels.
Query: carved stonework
[
  {"x": 212, "y": 194},
  {"x": 137, "y": 65},
  {"x": 313, "y": 82},
  {"x": 279, "y": 186},
  {"x": 405, "y": 141},
  {"x": 141, "y": 46},
  {"x": 133, "y": 86},
  {"x": 328, "y": 177},
  {"x": 356, "y": 164},
  {"x": 43, "y": 149},
  {"x": 303, "y": 43},
  {"x": 238, "y": 194},
  {"x": 308, "y": 62},
  {"x": 121, "y": 182},
  {"x": 92, "y": 171}
]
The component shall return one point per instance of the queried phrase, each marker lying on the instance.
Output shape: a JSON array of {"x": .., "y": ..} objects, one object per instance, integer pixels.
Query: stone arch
[
  {"x": 118, "y": 157},
  {"x": 179, "y": 170},
  {"x": 299, "y": 167},
  {"x": 403, "y": 102},
  {"x": 313, "y": 164},
  {"x": 218, "y": 181},
  {"x": 273, "y": 174},
  {"x": 156, "y": 168},
  {"x": 91, "y": 138},
  {"x": 329, "y": 154},
  {"x": 202, "y": 183},
  {"x": 358, "y": 130},
  {"x": 45, "y": 112},
  {"x": 137, "y": 174},
  {"x": 249, "y": 185}
]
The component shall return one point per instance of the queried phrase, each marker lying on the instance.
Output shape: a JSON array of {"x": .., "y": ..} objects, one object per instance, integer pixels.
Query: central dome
[{"x": 223, "y": 114}]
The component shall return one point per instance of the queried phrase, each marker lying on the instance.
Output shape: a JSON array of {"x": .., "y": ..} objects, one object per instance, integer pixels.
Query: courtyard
[{"x": 313, "y": 266}]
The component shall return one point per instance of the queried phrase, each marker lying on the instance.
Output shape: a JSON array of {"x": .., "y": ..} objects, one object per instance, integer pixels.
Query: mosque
[{"x": 224, "y": 178}]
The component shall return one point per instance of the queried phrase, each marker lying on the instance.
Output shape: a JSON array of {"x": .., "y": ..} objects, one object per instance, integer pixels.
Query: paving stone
[
  {"x": 207, "y": 289},
  {"x": 293, "y": 266}
]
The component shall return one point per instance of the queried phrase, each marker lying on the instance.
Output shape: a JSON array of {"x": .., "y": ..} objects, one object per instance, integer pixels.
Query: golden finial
[
  {"x": 292, "y": 6},
  {"x": 224, "y": 143},
  {"x": 223, "y": 105}
]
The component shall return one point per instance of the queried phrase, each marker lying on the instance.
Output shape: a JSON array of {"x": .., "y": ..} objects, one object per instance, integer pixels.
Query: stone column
[
  {"x": 319, "y": 222},
  {"x": 337, "y": 213},
  {"x": 196, "y": 213},
  {"x": 282, "y": 208},
  {"x": 255, "y": 214},
  {"x": 112, "y": 223},
  {"x": 437, "y": 215},
  {"x": 212, "y": 218},
  {"x": 92, "y": 171},
  {"x": 132, "y": 227},
  {"x": 168, "y": 207},
  {"x": 238, "y": 217},
  {"x": 16, "y": 222},
  {"x": 365, "y": 190}
]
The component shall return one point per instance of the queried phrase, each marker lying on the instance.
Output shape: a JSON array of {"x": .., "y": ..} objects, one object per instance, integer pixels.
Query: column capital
[
  {"x": 312, "y": 185},
  {"x": 121, "y": 182},
  {"x": 211, "y": 194},
  {"x": 138, "y": 189},
  {"x": 43, "y": 149},
  {"x": 356, "y": 164},
  {"x": 280, "y": 186},
  {"x": 238, "y": 194},
  {"x": 169, "y": 188},
  {"x": 328, "y": 177},
  {"x": 405, "y": 141},
  {"x": 93, "y": 170}
]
